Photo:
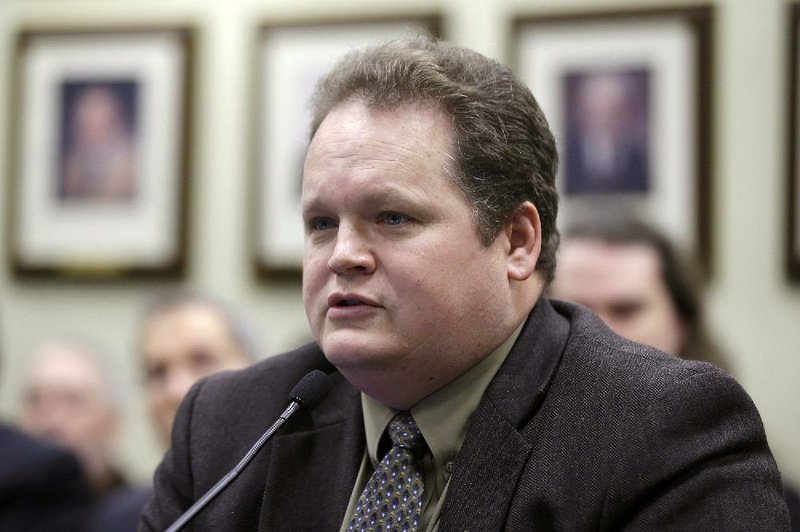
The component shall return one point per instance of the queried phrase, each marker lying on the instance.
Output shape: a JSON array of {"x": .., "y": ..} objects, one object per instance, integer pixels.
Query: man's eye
[
  {"x": 627, "y": 310},
  {"x": 156, "y": 374},
  {"x": 392, "y": 218},
  {"x": 321, "y": 224}
]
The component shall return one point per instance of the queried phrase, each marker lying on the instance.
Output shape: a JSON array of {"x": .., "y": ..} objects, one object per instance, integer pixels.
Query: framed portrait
[
  {"x": 792, "y": 245},
  {"x": 627, "y": 94},
  {"x": 99, "y": 164},
  {"x": 291, "y": 58}
]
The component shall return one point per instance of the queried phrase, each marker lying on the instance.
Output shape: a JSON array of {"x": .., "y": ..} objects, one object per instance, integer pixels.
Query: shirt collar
[{"x": 444, "y": 415}]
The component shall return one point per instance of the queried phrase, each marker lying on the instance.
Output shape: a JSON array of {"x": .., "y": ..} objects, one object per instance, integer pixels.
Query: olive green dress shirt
[{"x": 443, "y": 418}]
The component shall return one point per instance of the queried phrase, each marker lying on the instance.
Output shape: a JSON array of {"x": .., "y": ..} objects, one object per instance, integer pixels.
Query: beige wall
[{"x": 752, "y": 308}]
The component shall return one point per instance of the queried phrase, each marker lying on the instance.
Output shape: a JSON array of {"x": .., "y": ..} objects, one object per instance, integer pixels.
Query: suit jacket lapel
[
  {"x": 487, "y": 469},
  {"x": 313, "y": 465},
  {"x": 497, "y": 447}
]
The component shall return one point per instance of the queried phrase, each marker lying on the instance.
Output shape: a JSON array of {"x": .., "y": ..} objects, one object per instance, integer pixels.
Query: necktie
[{"x": 392, "y": 498}]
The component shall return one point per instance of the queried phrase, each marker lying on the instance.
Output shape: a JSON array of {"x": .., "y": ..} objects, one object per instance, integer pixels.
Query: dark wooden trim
[{"x": 792, "y": 257}]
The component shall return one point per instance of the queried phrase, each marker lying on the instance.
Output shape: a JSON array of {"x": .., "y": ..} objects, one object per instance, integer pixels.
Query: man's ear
[{"x": 524, "y": 233}]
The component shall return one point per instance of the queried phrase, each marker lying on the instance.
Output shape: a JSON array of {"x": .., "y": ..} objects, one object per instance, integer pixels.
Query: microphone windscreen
[{"x": 311, "y": 389}]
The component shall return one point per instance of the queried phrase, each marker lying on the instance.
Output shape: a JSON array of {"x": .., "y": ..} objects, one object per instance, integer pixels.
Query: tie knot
[{"x": 404, "y": 432}]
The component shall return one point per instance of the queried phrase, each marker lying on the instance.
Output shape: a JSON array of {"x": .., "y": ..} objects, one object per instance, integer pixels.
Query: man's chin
[
  {"x": 347, "y": 358},
  {"x": 352, "y": 354}
]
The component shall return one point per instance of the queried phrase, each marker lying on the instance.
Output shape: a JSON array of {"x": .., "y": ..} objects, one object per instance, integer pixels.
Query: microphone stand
[{"x": 233, "y": 473}]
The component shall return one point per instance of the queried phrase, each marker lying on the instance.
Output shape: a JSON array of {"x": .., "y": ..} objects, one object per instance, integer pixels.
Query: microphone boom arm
[
  {"x": 233, "y": 473},
  {"x": 307, "y": 393}
]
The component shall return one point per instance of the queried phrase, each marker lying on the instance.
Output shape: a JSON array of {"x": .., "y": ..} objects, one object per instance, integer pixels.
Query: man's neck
[{"x": 401, "y": 387}]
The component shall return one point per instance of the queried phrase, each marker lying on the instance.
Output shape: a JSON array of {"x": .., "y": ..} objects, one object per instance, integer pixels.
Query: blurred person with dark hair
[
  {"x": 633, "y": 277},
  {"x": 70, "y": 398},
  {"x": 183, "y": 337},
  {"x": 460, "y": 397}
]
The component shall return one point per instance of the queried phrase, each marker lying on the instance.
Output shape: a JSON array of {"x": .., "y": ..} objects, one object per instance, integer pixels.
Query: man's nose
[
  {"x": 352, "y": 253},
  {"x": 178, "y": 385}
]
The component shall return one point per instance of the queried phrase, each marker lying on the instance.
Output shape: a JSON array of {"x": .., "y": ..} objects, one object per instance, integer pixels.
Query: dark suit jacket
[
  {"x": 579, "y": 430},
  {"x": 120, "y": 510},
  {"x": 42, "y": 488}
]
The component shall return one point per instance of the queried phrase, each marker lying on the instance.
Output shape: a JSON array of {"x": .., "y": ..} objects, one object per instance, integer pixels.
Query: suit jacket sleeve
[
  {"x": 583, "y": 430},
  {"x": 700, "y": 461}
]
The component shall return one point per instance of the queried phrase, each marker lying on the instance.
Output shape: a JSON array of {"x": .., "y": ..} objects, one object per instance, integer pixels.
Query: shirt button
[{"x": 449, "y": 466}]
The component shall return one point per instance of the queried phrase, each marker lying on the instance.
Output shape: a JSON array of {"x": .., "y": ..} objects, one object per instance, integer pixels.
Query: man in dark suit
[
  {"x": 462, "y": 398},
  {"x": 42, "y": 487}
]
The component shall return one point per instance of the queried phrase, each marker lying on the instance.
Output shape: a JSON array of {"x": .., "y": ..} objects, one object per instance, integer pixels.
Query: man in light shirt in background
[{"x": 183, "y": 337}]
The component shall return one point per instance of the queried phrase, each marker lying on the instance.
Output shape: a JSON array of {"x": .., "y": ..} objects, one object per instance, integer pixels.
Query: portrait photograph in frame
[
  {"x": 291, "y": 58},
  {"x": 100, "y": 152},
  {"x": 627, "y": 95},
  {"x": 792, "y": 241}
]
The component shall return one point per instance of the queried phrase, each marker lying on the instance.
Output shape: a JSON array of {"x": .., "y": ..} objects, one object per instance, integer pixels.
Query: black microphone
[{"x": 307, "y": 393}]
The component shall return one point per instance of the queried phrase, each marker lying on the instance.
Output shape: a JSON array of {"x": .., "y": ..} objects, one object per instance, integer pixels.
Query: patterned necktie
[{"x": 392, "y": 498}]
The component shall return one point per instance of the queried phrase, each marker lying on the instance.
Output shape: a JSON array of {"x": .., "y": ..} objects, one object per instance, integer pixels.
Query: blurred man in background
[
  {"x": 42, "y": 487},
  {"x": 635, "y": 280},
  {"x": 71, "y": 400},
  {"x": 185, "y": 336}
]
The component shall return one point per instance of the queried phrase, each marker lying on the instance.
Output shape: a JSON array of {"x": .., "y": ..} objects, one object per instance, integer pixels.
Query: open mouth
[
  {"x": 350, "y": 300},
  {"x": 348, "y": 303}
]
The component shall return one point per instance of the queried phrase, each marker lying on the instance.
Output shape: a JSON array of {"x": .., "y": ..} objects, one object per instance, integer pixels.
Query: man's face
[
  {"x": 395, "y": 277},
  {"x": 622, "y": 284},
  {"x": 66, "y": 401},
  {"x": 179, "y": 346}
]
